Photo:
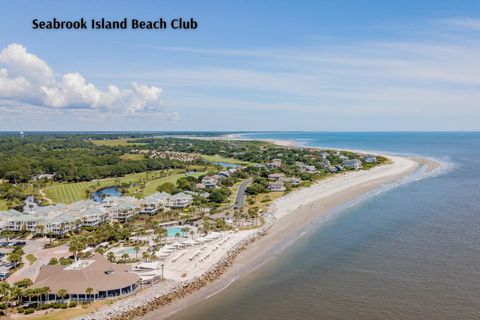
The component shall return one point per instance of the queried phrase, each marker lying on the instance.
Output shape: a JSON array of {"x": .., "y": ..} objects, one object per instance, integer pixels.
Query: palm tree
[
  {"x": 62, "y": 293},
  {"x": 185, "y": 230},
  {"x": 89, "y": 291},
  {"x": 145, "y": 256},
  {"x": 125, "y": 257},
  {"x": 137, "y": 249},
  {"x": 45, "y": 291},
  {"x": 111, "y": 256}
]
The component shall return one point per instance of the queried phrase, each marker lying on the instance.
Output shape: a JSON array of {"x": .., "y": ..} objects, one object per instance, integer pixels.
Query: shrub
[
  {"x": 72, "y": 304},
  {"x": 3, "y": 306},
  {"x": 29, "y": 310},
  {"x": 20, "y": 310},
  {"x": 64, "y": 305}
]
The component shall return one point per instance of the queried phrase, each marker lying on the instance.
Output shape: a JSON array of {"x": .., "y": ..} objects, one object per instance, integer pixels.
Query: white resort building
[{"x": 60, "y": 219}]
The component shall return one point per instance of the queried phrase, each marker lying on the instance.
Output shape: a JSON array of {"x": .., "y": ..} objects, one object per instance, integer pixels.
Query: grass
[
  {"x": 31, "y": 258},
  {"x": 130, "y": 156},
  {"x": 260, "y": 200},
  {"x": 3, "y": 204},
  {"x": 151, "y": 186},
  {"x": 61, "y": 314},
  {"x": 117, "y": 142},
  {"x": 217, "y": 158},
  {"x": 71, "y": 192}
]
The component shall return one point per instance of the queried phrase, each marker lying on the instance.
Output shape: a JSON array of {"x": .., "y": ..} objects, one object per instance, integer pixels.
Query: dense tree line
[{"x": 69, "y": 158}]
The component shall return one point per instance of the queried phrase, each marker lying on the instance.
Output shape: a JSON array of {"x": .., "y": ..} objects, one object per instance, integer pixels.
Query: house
[
  {"x": 342, "y": 157},
  {"x": 200, "y": 186},
  {"x": 306, "y": 168},
  {"x": 332, "y": 169},
  {"x": 275, "y": 163},
  {"x": 210, "y": 182},
  {"x": 352, "y": 164},
  {"x": 105, "y": 279},
  {"x": 276, "y": 176},
  {"x": 293, "y": 180},
  {"x": 180, "y": 200},
  {"x": 223, "y": 174},
  {"x": 324, "y": 154},
  {"x": 154, "y": 203},
  {"x": 276, "y": 187},
  {"x": 370, "y": 159},
  {"x": 44, "y": 176}
]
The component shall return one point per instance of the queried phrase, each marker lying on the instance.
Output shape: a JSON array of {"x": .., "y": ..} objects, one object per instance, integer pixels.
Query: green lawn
[
  {"x": 3, "y": 204},
  {"x": 31, "y": 258},
  {"x": 116, "y": 142},
  {"x": 217, "y": 158},
  {"x": 71, "y": 192},
  {"x": 151, "y": 186}
]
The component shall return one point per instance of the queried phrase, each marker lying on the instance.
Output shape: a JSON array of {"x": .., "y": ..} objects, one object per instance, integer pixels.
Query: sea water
[{"x": 409, "y": 252}]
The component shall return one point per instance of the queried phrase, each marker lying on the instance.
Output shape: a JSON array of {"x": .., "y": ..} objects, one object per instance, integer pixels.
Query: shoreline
[{"x": 286, "y": 218}]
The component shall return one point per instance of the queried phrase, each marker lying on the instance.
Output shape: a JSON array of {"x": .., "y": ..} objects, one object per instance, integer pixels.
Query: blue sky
[{"x": 251, "y": 65}]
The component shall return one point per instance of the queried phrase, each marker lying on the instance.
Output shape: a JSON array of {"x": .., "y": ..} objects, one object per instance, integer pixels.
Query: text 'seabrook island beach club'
[{"x": 267, "y": 160}]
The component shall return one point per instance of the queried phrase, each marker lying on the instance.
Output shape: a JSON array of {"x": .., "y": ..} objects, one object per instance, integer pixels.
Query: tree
[
  {"x": 167, "y": 187},
  {"x": 14, "y": 258},
  {"x": 75, "y": 246},
  {"x": 111, "y": 256},
  {"x": 185, "y": 230},
  {"x": 89, "y": 292},
  {"x": 125, "y": 257},
  {"x": 137, "y": 249},
  {"x": 62, "y": 293}
]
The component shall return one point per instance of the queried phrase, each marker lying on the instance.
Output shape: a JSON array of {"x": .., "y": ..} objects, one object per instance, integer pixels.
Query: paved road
[
  {"x": 43, "y": 256},
  {"x": 239, "y": 200}
]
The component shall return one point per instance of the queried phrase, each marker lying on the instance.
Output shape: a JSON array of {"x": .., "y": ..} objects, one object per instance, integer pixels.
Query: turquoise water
[
  {"x": 412, "y": 252},
  {"x": 128, "y": 250},
  {"x": 172, "y": 231}
]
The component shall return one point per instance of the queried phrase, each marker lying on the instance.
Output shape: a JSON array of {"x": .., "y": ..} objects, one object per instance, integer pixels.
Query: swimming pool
[
  {"x": 172, "y": 231},
  {"x": 128, "y": 250}
]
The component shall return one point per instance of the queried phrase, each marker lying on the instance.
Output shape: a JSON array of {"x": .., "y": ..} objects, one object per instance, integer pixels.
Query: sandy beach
[{"x": 287, "y": 218}]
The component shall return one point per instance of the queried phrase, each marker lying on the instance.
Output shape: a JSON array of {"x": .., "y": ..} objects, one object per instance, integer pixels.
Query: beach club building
[{"x": 87, "y": 280}]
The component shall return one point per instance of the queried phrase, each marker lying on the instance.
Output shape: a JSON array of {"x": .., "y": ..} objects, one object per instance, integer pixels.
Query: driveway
[{"x": 43, "y": 256}]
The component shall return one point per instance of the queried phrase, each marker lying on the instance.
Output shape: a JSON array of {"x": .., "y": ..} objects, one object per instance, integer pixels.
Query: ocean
[{"x": 409, "y": 252}]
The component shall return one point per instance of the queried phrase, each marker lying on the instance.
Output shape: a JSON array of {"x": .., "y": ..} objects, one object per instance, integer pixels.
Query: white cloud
[
  {"x": 29, "y": 79},
  {"x": 464, "y": 22}
]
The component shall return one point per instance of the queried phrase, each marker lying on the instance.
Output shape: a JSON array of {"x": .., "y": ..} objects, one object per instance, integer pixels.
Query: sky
[{"x": 250, "y": 65}]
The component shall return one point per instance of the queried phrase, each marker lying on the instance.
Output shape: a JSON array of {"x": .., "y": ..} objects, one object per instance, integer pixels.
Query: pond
[
  {"x": 99, "y": 195},
  {"x": 226, "y": 165}
]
